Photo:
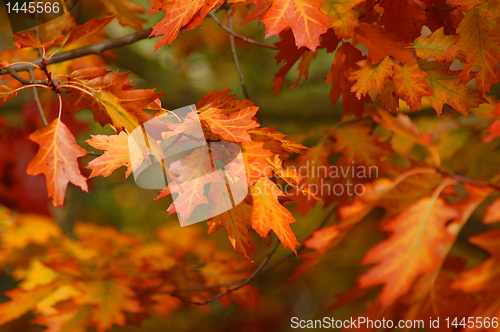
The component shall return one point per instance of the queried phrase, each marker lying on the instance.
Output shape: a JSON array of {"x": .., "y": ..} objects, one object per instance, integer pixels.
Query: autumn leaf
[
  {"x": 6, "y": 93},
  {"x": 109, "y": 298},
  {"x": 382, "y": 43},
  {"x": 268, "y": 214},
  {"x": 112, "y": 100},
  {"x": 126, "y": 11},
  {"x": 21, "y": 301},
  {"x": 255, "y": 157},
  {"x": 232, "y": 126},
  {"x": 480, "y": 42},
  {"x": 371, "y": 76},
  {"x": 345, "y": 63},
  {"x": 57, "y": 160},
  {"x": 343, "y": 18},
  {"x": 492, "y": 214},
  {"x": 303, "y": 17},
  {"x": 401, "y": 124},
  {"x": 180, "y": 14},
  {"x": 448, "y": 89},
  {"x": 88, "y": 28},
  {"x": 466, "y": 5},
  {"x": 235, "y": 220},
  {"x": 116, "y": 154},
  {"x": 275, "y": 141},
  {"x": 30, "y": 229},
  {"x": 223, "y": 101},
  {"x": 410, "y": 82},
  {"x": 29, "y": 39},
  {"x": 69, "y": 320},
  {"x": 481, "y": 279},
  {"x": 417, "y": 236},
  {"x": 403, "y": 18},
  {"x": 437, "y": 45}
]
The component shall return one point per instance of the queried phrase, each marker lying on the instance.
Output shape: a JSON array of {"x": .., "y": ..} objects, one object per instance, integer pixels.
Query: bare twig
[
  {"x": 465, "y": 180},
  {"x": 37, "y": 100},
  {"x": 234, "y": 288},
  {"x": 237, "y": 62},
  {"x": 245, "y": 39},
  {"x": 84, "y": 51},
  {"x": 445, "y": 10},
  {"x": 10, "y": 70}
]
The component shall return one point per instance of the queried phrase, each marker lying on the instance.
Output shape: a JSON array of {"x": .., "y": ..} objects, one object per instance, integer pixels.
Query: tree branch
[
  {"x": 237, "y": 62},
  {"x": 80, "y": 52},
  {"x": 245, "y": 39},
  {"x": 37, "y": 100},
  {"x": 10, "y": 70},
  {"x": 232, "y": 289}
]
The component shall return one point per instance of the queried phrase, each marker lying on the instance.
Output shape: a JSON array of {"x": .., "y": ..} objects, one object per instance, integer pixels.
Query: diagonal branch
[
  {"x": 84, "y": 51},
  {"x": 237, "y": 62},
  {"x": 245, "y": 39}
]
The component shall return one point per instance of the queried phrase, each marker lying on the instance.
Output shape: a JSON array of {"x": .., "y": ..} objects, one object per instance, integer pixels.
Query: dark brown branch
[
  {"x": 465, "y": 180},
  {"x": 237, "y": 62},
  {"x": 245, "y": 39},
  {"x": 87, "y": 50},
  {"x": 12, "y": 72},
  {"x": 244, "y": 282}
]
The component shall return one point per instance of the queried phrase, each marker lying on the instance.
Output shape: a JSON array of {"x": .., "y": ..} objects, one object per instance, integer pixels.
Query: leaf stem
[
  {"x": 236, "y": 60},
  {"x": 245, "y": 39}
]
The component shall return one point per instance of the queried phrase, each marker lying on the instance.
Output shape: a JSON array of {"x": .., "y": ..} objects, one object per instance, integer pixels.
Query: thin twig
[
  {"x": 238, "y": 286},
  {"x": 10, "y": 70},
  {"x": 465, "y": 180},
  {"x": 84, "y": 51},
  {"x": 245, "y": 39},
  {"x": 37, "y": 100},
  {"x": 237, "y": 62},
  {"x": 445, "y": 10}
]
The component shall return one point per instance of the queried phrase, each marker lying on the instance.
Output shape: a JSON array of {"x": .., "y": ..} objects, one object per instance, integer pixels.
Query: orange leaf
[
  {"x": 275, "y": 141},
  {"x": 126, "y": 11},
  {"x": 402, "y": 125},
  {"x": 116, "y": 154},
  {"x": 304, "y": 17},
  {"x": 109, "y": 299},
  {"x": 410, "y": 82},
  {"x": 381, "y": 44},
  {"x": 268, "y": 214},
  {"x": 256, "y": 165},
  {"x": 343, "y": 18},
  {"x": 21, "y": 301},
  {"x": 112, "y": 99},
  {"x": 90, "y": 27},
  {"x": 437, "y": 45},
  {"x": 403, "y": 18},
  {"x": 68, "y": 320},
  {"x": 370, "y": 76},
  {"x": 466, "y": 5},
  {"x": 57, "y": 159},
  {"x": 417, "y": 236},
  {"x": 344, "y": 64},
  {"x": 30, "y": 229},
  {"x": 492, "y": 212},
  {"x": 447, "y": 89},
  {"x": 180, "y": 14},
  {"x": 6, "y": 93},
  {"x": 235, "y": 221},
  {"x": 480, "y": 42},
  {"x": 231, "y": 126}
]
